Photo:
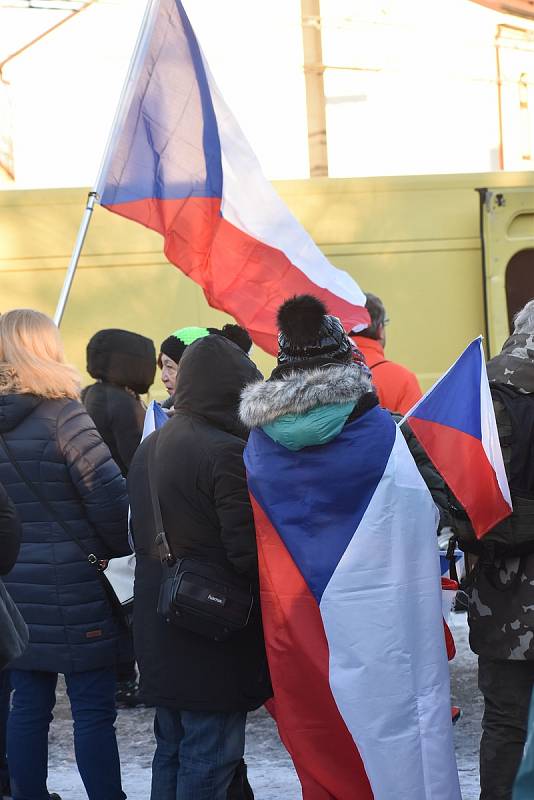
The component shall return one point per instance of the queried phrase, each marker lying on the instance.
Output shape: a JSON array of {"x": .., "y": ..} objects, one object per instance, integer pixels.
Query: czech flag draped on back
[
  {"x": 455, "y": 423},
  {"x": 178, "y": 163},
  {"x": 352, "y": 614}
]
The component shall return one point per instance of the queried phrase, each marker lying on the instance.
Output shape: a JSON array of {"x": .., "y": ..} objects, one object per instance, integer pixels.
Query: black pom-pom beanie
[{"x": 310, "y": 337}]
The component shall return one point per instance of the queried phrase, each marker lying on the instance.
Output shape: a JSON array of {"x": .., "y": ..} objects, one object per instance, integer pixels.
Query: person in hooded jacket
[
  {"x": 124, "y": 365},
  {"x": 202, "y": 689},
  {"x": 315, "y": 430},
  {"x": 71, "y": 498}
]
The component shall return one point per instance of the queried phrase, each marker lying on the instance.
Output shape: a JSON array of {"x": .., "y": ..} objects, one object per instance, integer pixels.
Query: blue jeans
[
  {"x": 92, "y": 702},
  {"x": 197, "y": 753}
]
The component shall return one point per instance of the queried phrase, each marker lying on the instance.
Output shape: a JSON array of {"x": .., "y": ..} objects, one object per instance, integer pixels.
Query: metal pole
[
  {"x": 94, "y": 196},
  {"x": 314, "y": 77},
  {"x": 64, "y": 296}
]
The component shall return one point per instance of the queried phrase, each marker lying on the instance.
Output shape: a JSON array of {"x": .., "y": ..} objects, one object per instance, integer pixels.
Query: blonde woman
[{"x": 72, "y": 501}]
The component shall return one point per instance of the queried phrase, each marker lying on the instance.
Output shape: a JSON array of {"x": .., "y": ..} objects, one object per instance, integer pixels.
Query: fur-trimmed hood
[{"x": 299, "y": 392}]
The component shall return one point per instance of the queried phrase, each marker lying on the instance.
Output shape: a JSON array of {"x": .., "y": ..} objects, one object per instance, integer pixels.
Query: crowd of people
[{"x": 78, "y": 487}]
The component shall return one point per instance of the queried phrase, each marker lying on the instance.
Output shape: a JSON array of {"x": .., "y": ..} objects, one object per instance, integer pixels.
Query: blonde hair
[{"x": 32, "y": 359}]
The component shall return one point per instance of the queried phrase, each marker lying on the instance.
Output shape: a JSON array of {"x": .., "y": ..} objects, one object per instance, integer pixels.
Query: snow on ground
[
  {"x": 465, "y": 693},
  {"x": 270, "y": 769}
]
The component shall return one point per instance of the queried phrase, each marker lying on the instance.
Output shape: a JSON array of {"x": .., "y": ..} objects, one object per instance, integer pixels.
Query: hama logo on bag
[{"x": 221, "y": 601}]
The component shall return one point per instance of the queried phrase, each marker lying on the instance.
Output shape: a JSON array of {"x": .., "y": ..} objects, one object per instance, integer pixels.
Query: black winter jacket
[
  {"x": 10, "y": 532},
  {"x": 202, "y": 489},
  {"x": 58, "y": 592},
  {"x": 119, "y": 416}
]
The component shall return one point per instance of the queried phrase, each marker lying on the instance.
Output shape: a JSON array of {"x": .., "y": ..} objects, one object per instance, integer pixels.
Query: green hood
[{"x": 314, "y": 427}]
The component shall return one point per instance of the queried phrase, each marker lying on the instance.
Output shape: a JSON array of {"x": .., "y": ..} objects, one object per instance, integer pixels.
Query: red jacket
[{"x": 397, "y": 388}]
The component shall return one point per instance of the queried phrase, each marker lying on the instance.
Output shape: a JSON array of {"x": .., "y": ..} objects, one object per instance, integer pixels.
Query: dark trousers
[
  {"x": 92, "y": 702},
  {"x": 507, "y": 688}
]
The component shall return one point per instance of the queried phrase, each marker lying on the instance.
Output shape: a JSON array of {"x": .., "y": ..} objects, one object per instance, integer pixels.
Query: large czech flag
[
  {"x": 178, "y": 163},
  {"x": 455, "y": 423},
  {"x": 352, "y": 613}
]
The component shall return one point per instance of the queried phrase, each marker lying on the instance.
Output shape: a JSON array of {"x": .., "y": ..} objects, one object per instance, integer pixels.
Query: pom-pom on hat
[
  {"x": 310, "y": 337},
  {"x": 235, "y": 334}
]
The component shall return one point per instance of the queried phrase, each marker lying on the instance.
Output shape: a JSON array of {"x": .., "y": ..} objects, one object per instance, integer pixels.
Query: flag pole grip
[{"x": 84, "y": 225}]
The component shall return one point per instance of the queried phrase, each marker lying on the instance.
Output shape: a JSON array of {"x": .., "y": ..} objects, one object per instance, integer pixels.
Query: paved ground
[{"x": 271, "y": 772}]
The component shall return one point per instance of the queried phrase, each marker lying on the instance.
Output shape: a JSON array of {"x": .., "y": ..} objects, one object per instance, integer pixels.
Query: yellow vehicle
[{"x": 452, "y": 256}]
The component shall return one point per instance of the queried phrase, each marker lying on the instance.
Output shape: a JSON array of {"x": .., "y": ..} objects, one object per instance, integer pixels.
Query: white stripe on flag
[
  {"x": 251, "y": 204},
  {"x": 149, "y": 425},
  {"x": 388, "y": 665},
  {"x": 490, "y": 434}
]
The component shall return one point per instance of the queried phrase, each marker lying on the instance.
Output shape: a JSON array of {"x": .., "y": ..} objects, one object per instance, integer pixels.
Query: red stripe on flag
[
  {"x": 238, "y": 274},
  {"x": 463, "y": 464},
  {"x": 311, "y": 727}
]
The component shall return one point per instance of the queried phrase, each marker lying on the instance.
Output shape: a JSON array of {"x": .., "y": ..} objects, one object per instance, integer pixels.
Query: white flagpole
[
  {"x": 129, "y": 84},
  {"x": 65, "y": 291}
]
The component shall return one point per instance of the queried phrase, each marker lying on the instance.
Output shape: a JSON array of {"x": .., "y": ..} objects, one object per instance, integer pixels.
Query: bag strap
[
  {"x": 93, "y": 560},
  {"x": 165, "y": 553},
  {"x": 451, "y": 558}
]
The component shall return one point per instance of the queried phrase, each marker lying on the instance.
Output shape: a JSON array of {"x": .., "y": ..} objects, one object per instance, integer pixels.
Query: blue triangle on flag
[
  {"x": 316, "y": 497},
  {"x": 455, "y": 400}
]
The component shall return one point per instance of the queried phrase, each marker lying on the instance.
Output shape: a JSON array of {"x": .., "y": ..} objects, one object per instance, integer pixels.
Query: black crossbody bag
[
  {"x": 203, "y": 598},
  {"x": 98, "y": 565}
]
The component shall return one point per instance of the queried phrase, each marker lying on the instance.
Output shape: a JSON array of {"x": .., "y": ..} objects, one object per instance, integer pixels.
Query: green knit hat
[
  {"x": 190, "y": 334},
  {"x": 174, "y": 345}
]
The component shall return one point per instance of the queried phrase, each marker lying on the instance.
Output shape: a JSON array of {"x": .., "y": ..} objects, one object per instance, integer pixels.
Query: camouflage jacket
[{"x": 501, "y": 593}]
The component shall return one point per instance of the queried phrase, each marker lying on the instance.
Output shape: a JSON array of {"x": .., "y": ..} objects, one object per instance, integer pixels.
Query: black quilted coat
[{"x": 59, "y": 594}]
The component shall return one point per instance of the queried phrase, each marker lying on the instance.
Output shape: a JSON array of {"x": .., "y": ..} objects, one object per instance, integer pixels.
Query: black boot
[
  {"x": 127, "y": 694},
  {"x": 240, "y": 788}
]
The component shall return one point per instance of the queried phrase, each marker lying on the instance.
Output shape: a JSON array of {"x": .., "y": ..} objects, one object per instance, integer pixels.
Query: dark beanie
[{"x": 309, "y": 337}]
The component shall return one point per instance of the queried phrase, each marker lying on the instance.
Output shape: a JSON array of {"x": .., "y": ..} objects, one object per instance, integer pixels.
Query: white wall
[
  {"x": 420, "y": 95},
  {"x": 425, "y": 100}
]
